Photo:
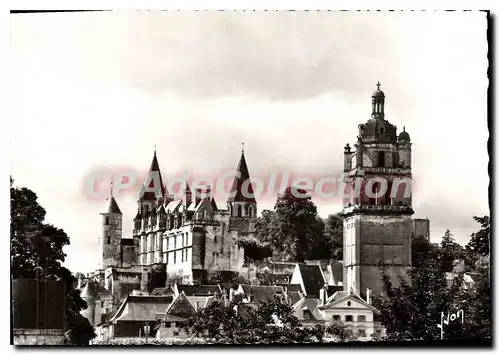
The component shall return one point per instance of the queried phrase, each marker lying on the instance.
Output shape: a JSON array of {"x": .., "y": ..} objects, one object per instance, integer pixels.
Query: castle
[{"x": 190, "y": 240}]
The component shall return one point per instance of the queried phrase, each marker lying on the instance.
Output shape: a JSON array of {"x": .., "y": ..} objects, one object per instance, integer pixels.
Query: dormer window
[{"x": 306, "y": 314}]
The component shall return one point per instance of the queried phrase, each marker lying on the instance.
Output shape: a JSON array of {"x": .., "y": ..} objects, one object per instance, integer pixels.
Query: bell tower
[{"x": 377, "y": 204}]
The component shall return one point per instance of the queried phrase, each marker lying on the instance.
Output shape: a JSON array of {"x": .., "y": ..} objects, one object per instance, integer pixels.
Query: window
[
  {"x": 250, "y": 298},
  {"x": 361, "y": 318},
  {"x": 348, "y": 303},
  {"x": 307, "y": 315},
  {"x": 361, "y": 333},
  {"x": 175, "y": 256},
  {"x": 250, "y": 211},
  {"x": 348, "y": 318},
  {"x": 381, "y": 159},
  {"x": 109, "y": 239},
  {"x": 336, "y": 317},
  {"x": 197, "y": 306},
  {"x": 102, "y": 304},
  {"x": 238, "y": 209},
  {"x": 168, "y": 324},
  {"x": 175, "y": 243}
]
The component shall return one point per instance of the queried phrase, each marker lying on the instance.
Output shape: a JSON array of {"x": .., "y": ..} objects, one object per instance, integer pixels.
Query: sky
[{"x": 101, "y": 90}]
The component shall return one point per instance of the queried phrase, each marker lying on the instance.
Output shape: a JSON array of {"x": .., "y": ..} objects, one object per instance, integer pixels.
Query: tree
[
  {"x": 266, "y": 231},
  {"x": 340, "y": 331},
  {"x": 422, "y": 251},
  {"x": 334, "y": 236},
  {"x": 297, "y": 223},
  {"x": 450, "y": 251},
  {"x": 254, "y": 248},
  {"x": 34, "y": 243},
  {"x": 479, "y": 244},
  {"x": 412, "y": 311},
  {"x": 239, "y": 323}
]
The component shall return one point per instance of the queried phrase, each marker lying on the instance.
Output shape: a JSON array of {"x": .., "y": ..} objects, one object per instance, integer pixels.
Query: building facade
[
  {"x": 377, "y": 206},
  {"x": 186, "y": 240}
]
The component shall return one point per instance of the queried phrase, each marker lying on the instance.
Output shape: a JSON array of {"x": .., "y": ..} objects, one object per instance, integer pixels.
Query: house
[
  {"x": 198, "y": 290},
  {"x": 159, "y": 314},
  {"x": 309, "y": 277},
  {"x": 307, "y": 311},
  {"x": 352, "y": 310},
  {"x": 258, "y": 293}
]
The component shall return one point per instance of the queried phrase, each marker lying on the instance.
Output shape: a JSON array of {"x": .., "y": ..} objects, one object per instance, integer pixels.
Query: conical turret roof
[
  {"x": 156, "y": 188},
  {"x": 113, "y": 206},
  {"x": 89, "y": 291},
  {"x": 237, "y": 194}
]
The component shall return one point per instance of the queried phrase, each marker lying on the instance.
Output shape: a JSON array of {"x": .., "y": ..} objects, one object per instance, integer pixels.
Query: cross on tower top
[
  {"x": 242, "y": 147},
  {"x": 378, "y": 85}
]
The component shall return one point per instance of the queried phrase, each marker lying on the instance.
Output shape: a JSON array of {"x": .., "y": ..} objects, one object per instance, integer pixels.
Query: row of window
[
  {"x": 349, "y": 318},
  {"x": 173, "y": 256}
]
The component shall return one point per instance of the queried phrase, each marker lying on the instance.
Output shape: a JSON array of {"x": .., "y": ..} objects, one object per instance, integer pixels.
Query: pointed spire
[
  {"x": 153, "y": 179},
  {"x": 113, "y": 205},
  {"x": 236, "y": 194}
]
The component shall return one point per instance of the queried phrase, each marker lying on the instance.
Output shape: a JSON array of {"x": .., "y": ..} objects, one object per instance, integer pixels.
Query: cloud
[{"x": 101, "y": 89}]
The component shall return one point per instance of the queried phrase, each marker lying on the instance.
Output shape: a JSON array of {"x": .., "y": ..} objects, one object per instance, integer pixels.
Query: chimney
[
  {"x": 368, "y": 296},
  {"x": 322, "y": 295}
]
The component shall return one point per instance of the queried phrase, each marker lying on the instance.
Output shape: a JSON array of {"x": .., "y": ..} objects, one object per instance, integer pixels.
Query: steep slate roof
[
  {"x": 337, "y": 270},
  {"x": 153, "y": 170},
  {"x": 199, "y": 290},
  {"x": 143, "y": 308},
  {"x": 173, "y": 205},
  {"x": 203, "y": 301},
  {"x": 113, "y": 206},
  {"x": 332, "y": 289},
  {"x": 262, "y": 293},
  {"x": 310, "y": 304},
  {"x": 162, "y": 291},
  {"x": 90, "y": 291},
  {"x": 95, "y": 287},
  {"x": 236, "y": 194},
  {"x": 293, "y": 288},
  {"x": 312, "y": 278},
  {"x": 295, "y": 296}
]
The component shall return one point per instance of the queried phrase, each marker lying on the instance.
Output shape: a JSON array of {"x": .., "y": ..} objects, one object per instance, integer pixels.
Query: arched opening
[
  {"x": 239, "y": 211},
  {"x": 250, "y": 211}
]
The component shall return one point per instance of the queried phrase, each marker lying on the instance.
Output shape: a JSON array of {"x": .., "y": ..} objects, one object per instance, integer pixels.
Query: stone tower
[
  {"x": 241, "y": 201},
  {"x": 377, "y": 204},
  {"x": 151, "y": 195},
  {"x": 110, "y": 240}
]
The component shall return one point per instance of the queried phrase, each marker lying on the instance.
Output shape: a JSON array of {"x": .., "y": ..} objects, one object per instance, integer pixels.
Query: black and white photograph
[{"x": 208, "y": 178}]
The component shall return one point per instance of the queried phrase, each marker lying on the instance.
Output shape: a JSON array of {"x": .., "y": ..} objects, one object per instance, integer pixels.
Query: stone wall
[{"x": 38, "y": 336}]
